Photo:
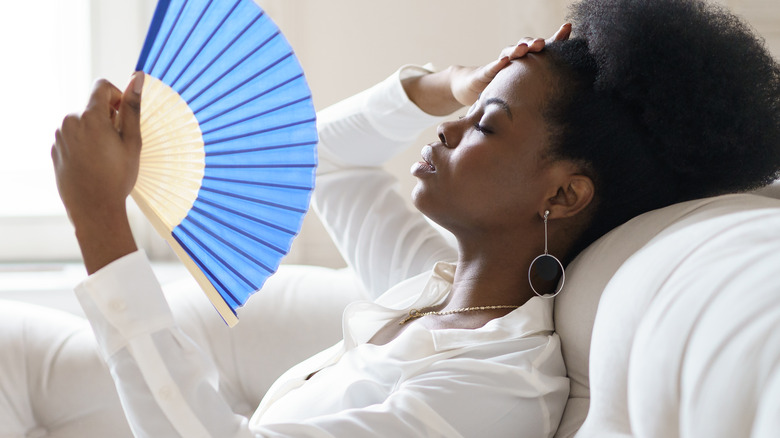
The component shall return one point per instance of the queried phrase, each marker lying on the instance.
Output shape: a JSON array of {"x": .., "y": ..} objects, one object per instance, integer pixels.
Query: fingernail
[{"x": 138, "y": 82}]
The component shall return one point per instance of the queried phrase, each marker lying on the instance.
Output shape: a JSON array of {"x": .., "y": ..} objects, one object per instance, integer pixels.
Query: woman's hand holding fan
[{"x": 96, "y": 158}]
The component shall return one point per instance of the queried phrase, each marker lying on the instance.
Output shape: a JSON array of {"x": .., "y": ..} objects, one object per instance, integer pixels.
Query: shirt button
[
  {"x": 118, "y": 305},
  {"x": 165, "y": 393}
]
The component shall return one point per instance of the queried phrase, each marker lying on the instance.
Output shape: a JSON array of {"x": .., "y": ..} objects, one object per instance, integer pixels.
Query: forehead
[{"x": 523, "y": 84}]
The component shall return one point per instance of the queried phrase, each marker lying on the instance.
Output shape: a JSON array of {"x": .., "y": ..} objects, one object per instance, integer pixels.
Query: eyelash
[
  {"x": 479, "y": 128},
  {"x": 482, "y": 129}
]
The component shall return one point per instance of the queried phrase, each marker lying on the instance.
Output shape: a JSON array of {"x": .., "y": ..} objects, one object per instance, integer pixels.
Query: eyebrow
[{"x": 500, "y": 103}]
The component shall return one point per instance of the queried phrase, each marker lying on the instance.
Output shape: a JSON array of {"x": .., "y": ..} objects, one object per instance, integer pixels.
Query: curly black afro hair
[{"x": 663, "y": 101}]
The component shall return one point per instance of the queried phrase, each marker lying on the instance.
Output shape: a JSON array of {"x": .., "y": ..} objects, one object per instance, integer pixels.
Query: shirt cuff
[{"x": 124, "y": 300}]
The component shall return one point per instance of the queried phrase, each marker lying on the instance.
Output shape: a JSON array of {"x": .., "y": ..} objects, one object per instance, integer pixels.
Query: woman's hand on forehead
[
  {"x": 445, "y": 92},
  {"x": 467, "y": 83}
]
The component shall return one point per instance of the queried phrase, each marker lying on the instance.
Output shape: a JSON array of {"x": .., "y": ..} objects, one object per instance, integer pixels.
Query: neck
[{"x": 490, "y": 275}]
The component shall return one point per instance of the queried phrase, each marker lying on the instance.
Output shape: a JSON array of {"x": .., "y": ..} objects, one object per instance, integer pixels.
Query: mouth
[
  {"x": 427, "y": 152},
  {"x": 424, "y": 168}
]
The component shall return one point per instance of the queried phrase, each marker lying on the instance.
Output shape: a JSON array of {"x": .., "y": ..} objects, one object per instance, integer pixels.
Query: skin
[
  {"x": 490, "y": 188},
  {"x": 489, "y": 181},
  {"x": 96, "y": 156}
]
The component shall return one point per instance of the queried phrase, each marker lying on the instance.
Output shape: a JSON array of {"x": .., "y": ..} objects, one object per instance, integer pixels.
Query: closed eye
[{"x": 483, "y": 129}]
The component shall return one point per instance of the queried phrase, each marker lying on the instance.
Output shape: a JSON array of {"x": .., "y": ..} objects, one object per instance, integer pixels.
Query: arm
[
  {"x": 107, "y": 132},
  {"x": 166, "y": 384},
  {"x": 379, "y": 236},
  {"x": 515, "y": 390}
]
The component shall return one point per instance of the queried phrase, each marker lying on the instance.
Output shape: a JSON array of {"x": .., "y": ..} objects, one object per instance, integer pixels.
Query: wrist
[
  {"x": 104, "y": 236},
  {"x": 432, "y": 92}
]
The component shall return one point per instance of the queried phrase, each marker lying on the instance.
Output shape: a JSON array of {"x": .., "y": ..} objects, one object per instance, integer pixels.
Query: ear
[{"x": 573, "y": 195}]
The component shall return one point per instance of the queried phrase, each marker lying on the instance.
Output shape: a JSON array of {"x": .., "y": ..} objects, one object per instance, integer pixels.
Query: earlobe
[{"x": 572, "y": 198}]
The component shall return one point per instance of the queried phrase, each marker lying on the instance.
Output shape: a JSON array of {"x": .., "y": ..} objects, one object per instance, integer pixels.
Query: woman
[{"x": 559, "y": 146}]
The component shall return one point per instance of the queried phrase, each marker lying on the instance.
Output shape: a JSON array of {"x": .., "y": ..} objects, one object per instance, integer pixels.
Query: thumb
[{"x": 129, "y": 114}]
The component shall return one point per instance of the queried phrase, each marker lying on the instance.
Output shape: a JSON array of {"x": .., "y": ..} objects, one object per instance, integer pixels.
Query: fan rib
[
  {"x": 260, "y": 114},
  {"x": 172, "y": 158},
  {"x": 153, "y": 191},
  {"x": 243, "y": 233},
  {"x": 262, "y": 131},
  {"x": 221, "y": 260},
  {"x": 246, "y": 216},
  {"x": 258, "y": 183},
  {"x": 254, "y": 200},
  {"x": 224, "y": 290},
  {"x": 245, "y": 81},
  {"x": 233, "y": 67},
  {"x": 157, "y": 20},
  {"x": 220, "y": 53},
  {"x": 165, "y": 40},
  {"x": 229, "y": 209},
  {"x": 259, "y": 149},
  {"x": 205, "y": 42},
  {"x": 184, "y": 41},
  {"x": 275, "y": 87},
  {"x": 261, "y": 166}
]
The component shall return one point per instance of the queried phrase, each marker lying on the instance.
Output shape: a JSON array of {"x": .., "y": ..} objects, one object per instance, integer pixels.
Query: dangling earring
[{"x": 547, "y": 266}]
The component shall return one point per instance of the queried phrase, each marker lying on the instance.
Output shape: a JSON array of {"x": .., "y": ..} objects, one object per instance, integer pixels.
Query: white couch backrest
[{"x": 599, "y": 371}]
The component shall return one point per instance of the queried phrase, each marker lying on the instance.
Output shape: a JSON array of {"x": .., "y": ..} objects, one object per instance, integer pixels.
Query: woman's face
[{"x": 488, "y": 171}]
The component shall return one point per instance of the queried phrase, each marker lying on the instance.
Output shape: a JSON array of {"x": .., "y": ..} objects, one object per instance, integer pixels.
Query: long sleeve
[
  {"x": 168, "y": 386},
  {"x": 506, "y": 379},
  {"x": 379, "y": 236}
]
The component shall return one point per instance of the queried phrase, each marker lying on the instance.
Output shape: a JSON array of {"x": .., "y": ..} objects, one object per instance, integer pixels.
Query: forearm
[
  {"x": 432, "y": 93},
  {"x": 358, "y": 201},
  {"x": 166, "y": 382}
]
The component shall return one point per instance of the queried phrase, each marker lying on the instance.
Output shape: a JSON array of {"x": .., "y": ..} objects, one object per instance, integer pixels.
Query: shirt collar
[{"x": 362, "y": 320}]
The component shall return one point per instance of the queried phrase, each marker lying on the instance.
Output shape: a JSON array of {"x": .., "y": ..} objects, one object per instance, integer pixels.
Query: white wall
[
  {"x": 348, "y": 45},
  {"x": 344, "y": 46}
]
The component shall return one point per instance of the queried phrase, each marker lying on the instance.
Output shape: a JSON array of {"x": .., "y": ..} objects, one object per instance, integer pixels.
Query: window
[{"x": 53, "y": 50}]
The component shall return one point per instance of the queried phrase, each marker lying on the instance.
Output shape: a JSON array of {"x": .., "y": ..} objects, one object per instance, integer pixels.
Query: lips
[{"x": 427, "y": 153}]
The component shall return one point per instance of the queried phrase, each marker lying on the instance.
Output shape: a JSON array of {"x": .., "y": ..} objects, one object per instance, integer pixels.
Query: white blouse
[{"x": 504, "y": 379}]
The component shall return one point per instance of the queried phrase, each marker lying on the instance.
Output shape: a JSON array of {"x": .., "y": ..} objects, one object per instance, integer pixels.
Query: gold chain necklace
[{"x": 416, "y": 313}]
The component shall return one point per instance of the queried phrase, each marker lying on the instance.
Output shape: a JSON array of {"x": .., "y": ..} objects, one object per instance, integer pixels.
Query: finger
[
  {"x": 129, "y": 114},
  {"x": 562, "y": 34},
  {"x": 56, "y": 148},
  {"x": 536, "y": 45},
  {"x": 488, "y": 72},
  {"x": 514, "y": 52},
  {"x": 104, "y": 98}
]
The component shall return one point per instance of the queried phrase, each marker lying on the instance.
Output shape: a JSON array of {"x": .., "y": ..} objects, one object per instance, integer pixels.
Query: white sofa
[{"x": 670, "y": 327}]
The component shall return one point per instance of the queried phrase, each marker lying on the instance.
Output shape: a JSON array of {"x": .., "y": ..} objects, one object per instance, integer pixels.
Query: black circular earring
[{"x": 546, "y": 266}]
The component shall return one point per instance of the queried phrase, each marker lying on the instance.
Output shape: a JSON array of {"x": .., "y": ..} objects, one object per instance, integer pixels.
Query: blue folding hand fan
[{"x": 229, "y": 143}]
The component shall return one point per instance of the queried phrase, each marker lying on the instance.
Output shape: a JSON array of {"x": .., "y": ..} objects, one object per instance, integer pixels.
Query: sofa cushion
[
  {"x": 708, "y": 340},
  {"x": 605, "y": 380},
  {"x": 53, "y": 383}
]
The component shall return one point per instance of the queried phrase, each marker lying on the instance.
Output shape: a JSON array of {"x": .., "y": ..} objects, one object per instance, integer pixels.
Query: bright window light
[{"x": 45, "y": 75}]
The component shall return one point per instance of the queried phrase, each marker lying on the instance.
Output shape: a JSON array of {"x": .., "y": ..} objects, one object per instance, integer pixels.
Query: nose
[{"x": 449, "y": 134}]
